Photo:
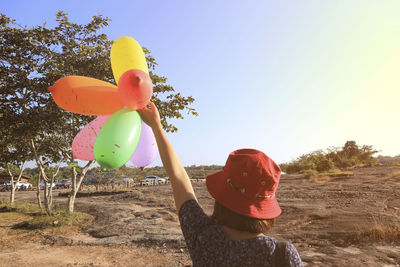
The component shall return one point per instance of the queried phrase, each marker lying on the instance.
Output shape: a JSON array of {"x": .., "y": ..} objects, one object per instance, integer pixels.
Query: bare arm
[{"x": 181, "y": 185}]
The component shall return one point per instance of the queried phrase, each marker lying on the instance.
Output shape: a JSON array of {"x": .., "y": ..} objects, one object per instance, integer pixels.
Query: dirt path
[{"x": 349, "y": 221}]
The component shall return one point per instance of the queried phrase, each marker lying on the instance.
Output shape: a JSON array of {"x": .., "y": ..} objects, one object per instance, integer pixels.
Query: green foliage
[
  {"x": 60, "y": 219},
  {"x": 32, "y": 59},
  {"x": 20, "y": 207},
  {"x": 349, "y": 155}
]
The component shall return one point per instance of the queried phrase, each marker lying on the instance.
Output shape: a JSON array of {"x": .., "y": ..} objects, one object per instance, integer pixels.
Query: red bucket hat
[{"x": 247, "y": 185}]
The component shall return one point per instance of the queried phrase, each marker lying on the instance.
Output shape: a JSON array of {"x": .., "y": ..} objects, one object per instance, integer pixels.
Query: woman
[{"x": 245, "y": 207}]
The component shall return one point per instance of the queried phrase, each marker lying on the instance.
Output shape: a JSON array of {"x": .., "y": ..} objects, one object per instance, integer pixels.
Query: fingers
[
  {"x": 149, "y": 105},
  {"x": 145, "y": 108},
  {"x": 152, "y": 106}
]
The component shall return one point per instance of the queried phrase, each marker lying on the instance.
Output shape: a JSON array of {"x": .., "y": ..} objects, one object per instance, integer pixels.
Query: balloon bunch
[{"x": 118, "y": 133}]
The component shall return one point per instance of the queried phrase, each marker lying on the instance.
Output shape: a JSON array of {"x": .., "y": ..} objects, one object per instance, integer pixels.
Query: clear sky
[{"x": 285, "y": 77}]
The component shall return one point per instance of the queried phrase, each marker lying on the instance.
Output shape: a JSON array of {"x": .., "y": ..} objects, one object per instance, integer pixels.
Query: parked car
[
  {"x": 127, "y": 180},
  {"x": 18, "y": 185},
  {"x": 3, "y": 187},
  {"x": 26, "y": 185},
  {"x": 63, "y": 183},
  {"x": 91, "y": 181},
  {"x": 153, "y": 178},
  {"x": 48, "y": 184},
  {"x": 114, "y": 181}
]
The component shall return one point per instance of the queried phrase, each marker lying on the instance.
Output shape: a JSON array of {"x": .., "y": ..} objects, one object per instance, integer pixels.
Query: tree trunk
[
  {"x": 39, "y": 201},
  {"x": 14, "y": 186},
  {"x": 71, "y": 201},
  {"x": 51, "y": 191},
  {"x": 46, "y": 198},
  {"x": 12, "y": 196},
  {"x": 77, "y": 184}
]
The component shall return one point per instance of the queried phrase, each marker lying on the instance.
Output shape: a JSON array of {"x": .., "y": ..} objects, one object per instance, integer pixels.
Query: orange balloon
[{"x": 86, "y": 95}]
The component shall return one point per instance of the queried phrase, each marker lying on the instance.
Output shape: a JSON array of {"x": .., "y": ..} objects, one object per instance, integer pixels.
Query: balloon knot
[{"x": 136, "y": 79}]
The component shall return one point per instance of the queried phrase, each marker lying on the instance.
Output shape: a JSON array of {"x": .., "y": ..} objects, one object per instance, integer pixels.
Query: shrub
[
  {"x": 350, "y": 155},
  {"x": 395, "y": 174}
]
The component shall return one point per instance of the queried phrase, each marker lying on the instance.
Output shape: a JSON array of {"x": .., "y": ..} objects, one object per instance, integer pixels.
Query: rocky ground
[{"x": 342, "y": 221}]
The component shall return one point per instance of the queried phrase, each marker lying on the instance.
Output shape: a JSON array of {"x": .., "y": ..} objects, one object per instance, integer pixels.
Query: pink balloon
[
  {"x": 82, "y": 146},
  {"x": 146, "y": 150}
]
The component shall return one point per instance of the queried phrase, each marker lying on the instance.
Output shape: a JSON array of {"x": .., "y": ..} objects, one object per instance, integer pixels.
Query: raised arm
[{"x": 181, "y": 185}]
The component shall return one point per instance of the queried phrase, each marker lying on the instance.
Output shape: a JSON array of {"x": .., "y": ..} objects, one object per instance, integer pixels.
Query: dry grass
[
  {"x": 380, "y": 231},
  {"x": 96, "y": 193},
  {"x": 339, "y": 173},
  {"x": 11, "y": 215},
  {"x": 319, "y": 179},
  {"x": 395, "y": 174},
  {"x": 153, "y": 200},
  {"x": 324, "y": 177},
  {"x": 389, "y": 176}
]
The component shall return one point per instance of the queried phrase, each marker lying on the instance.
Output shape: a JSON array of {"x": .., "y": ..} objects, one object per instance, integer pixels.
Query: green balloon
[{"x": 117, "y": 140}]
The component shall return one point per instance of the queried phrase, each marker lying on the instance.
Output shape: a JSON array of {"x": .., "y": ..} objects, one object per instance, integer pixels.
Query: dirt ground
[{"x": 343, "y": 221}]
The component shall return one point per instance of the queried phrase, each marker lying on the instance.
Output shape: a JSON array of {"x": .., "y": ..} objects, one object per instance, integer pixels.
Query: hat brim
[{"x": 232, "y": 199}]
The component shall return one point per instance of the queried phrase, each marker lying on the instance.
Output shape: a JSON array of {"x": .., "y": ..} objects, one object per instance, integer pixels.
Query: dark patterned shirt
[{"x": 208, "y": 245}]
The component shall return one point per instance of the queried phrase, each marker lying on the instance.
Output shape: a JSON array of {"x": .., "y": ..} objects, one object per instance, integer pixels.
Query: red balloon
[{"x": 135, "y": 89}]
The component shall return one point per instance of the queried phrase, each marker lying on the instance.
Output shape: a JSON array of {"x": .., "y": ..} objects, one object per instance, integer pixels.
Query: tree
[
  {"x": 33, "y": 58},
  {"x": 350, "y": 149},
  {"x": 13, "y": 152},
  {"x": 26, "y": 119},
  {"x": 14, "y": 182}
]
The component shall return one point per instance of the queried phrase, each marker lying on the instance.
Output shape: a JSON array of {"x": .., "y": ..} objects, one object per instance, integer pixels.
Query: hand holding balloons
[
  {"x": 150, "y": 115},
  {"x": 89, "y": 96},
  {"x": 115, "y": 143}
]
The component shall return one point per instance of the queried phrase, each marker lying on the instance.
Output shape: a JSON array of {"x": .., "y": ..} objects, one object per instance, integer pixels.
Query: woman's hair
[{"x": 226, "y": 217}]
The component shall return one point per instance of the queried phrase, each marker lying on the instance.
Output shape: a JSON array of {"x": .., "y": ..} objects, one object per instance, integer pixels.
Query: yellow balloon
[{"x": 127, "y": 54}]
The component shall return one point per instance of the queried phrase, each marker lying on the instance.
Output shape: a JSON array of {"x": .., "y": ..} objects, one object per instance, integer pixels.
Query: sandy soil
[{"x": 343, "y": 221}]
